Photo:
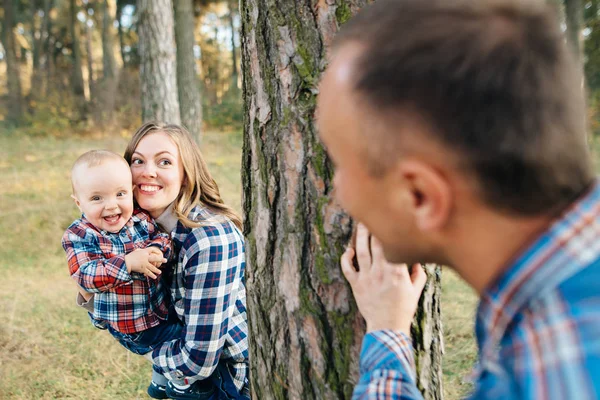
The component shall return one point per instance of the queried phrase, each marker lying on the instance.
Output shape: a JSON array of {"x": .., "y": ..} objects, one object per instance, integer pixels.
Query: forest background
[{"x": 70, "y": 82}]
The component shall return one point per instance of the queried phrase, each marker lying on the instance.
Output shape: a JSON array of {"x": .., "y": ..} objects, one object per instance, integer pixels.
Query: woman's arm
[{"x": 213, "y": 260}]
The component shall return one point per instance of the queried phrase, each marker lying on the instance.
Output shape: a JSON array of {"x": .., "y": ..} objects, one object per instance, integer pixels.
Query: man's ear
[
  {"x": 429, "y": 193},
  {"x": 77, "y": 203}
]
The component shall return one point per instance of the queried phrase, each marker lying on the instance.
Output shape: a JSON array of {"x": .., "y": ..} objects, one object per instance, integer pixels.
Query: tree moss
[
  {"x": 321, "y": 268},
  {"x": 341, "y": 355},
  {"x": 320, "y": 161},
  {"x": 305, "y": 68},
  {"x": 307, "y": 306},
  {"x": 343, "y": 13}
]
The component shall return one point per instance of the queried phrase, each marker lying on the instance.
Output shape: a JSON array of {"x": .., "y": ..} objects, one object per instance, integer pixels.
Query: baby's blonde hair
[{"x": 93, "y": 158}]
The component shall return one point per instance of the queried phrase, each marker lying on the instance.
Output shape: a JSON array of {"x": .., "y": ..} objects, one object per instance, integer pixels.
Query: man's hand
[
  {"x": 387, "y": 295},
  {"x": 145, "y": 261}
]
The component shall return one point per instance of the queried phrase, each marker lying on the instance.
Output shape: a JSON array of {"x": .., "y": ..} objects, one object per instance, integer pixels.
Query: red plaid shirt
[{"x": 128, "y": 302}]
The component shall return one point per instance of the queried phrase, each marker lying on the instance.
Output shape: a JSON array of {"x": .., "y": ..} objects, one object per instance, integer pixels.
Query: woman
[{"x": 172, "y": 182}]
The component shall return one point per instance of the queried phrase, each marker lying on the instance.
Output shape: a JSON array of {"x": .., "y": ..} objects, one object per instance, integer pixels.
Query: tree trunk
[
  {"x": 15, "y": 100},
  {"x": 187, "y": 78},
  {"x": 120, "y": 33},
  {"x": 109, "y": 65},
  {"x": 158, "y": 64},
  {"x": 90, "y": 60},
  {"x": 305, "y": 330},
  {"x": 234, "y": 74},
  {"x": 37, "y": 30},
  {"x": 574, "y": 20},
  {"x": 77, "y": 73},
  {"x": 48, "y": 46},
  {"x": 107, "y": 89}
]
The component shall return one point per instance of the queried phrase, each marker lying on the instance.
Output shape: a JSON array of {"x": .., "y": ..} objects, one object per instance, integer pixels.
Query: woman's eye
[
  {"x": 136, "y": 161},
  {"x": 164, "y": 162}
]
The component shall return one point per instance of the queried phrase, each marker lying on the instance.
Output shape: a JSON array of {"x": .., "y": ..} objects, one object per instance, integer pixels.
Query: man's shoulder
[
  {"x": 581, "y": 290},
  {"x": 556, "y": 335},
  {"x": 571, "y": 306}
]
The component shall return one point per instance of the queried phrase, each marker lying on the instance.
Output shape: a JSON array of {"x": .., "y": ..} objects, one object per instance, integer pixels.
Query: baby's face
[{"x": 104, "y": 194}]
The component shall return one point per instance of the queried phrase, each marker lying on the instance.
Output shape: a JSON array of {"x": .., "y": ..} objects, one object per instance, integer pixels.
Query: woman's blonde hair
[{"x": 198, "y": 185}]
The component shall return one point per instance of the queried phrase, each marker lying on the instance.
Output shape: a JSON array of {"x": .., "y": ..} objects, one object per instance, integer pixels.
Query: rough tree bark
[
  {"x": 77, "y": 73},
  {"x": 157, "y": 61},
  {"x": 13, "y": 79},
  {"x": 305, "y": 330},
  {"x": 188, "y": 84}
]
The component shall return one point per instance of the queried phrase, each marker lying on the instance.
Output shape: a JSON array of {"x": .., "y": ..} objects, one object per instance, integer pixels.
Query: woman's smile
[
  {"x": 149, "y": 188},
  {"x": 157, "y": 173}
]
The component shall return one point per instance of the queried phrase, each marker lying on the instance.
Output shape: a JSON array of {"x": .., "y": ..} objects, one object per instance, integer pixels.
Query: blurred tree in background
[{"x": 74, "y": 65}]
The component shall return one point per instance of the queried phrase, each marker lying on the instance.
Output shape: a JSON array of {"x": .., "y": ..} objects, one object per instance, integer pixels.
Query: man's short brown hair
[{"x": 495, "y": 82}]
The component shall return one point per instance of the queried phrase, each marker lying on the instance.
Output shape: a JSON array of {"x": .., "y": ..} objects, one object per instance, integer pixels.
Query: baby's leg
[{"x": 158, "y": 386}]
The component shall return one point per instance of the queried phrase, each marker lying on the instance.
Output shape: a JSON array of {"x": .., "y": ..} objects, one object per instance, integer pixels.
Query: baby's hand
[{"x": 144, "y": 261}]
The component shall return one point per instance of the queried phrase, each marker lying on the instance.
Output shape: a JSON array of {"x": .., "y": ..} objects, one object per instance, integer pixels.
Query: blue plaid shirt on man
[
  {"x": 210, "y": 298},
  {"x": 538, "y": 327},
  {"x": 128, "y": 302}
]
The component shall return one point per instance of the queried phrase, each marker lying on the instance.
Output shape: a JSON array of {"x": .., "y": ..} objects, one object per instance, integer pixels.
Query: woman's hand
[
  {"x": 145, "y": 261},
  {"x": 387, "y": 295}
]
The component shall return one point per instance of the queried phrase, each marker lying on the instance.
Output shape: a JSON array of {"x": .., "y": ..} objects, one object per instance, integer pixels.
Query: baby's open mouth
[{"x": 111, "y": 219}]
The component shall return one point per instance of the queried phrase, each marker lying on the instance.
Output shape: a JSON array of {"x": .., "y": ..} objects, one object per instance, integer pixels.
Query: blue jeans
[
  {"x": 220, "y": 386},
  {"x": 146, "y": 341}
]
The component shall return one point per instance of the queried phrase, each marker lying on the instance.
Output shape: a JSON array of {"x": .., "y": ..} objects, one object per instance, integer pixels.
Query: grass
[
  {"x": 48, "y": 349},
  {"x": 458, "y": 317}
]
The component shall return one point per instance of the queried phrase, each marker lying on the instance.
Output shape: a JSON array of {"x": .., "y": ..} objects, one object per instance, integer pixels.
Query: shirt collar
[
  {"x": 86, "y": 222},
  {"x": 547, "y": 262},
  {"x": 168, "y": 220}
]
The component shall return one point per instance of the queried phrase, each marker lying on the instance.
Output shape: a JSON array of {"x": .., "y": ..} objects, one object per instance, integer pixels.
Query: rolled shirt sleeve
[{"x": 387, "y": 368}]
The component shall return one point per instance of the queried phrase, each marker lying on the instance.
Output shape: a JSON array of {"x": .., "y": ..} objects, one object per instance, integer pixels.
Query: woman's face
[{"x": 157, "y": 173}]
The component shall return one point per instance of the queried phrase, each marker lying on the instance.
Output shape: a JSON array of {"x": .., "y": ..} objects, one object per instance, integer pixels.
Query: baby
[{"x": 113, "y": 253}]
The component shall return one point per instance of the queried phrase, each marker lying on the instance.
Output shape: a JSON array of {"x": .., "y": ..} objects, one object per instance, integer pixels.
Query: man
[{"x": 457, "y": 132}]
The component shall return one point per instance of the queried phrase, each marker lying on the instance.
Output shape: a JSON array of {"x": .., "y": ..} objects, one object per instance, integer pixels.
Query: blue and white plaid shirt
[
  {"x": 538, "y": 327},
  {"x": 209, "y": 294}
]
